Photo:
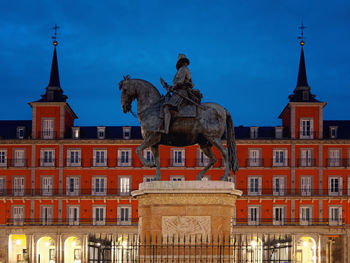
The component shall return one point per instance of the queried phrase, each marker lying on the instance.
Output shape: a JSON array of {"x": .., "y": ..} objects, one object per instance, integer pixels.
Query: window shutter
[
  {"x": 77, "y": 185},
  {"x": 260, "y": 185},
  {"x": 274, "y": 157},
  {"x": 274, "y": 214},
  {"x": 249, "y": 214},
  {"x": 329, "y": 185},
  {"x": 94, "y": 157},
  {"x": 67, "y": 185},
  {"x": 340, "y": 215},
  {"x": 129, "y": 213},
  {"x": 312, "y": 128},
  {"x": 340, "y": 185},
  {"x": 104, "y": 157},
  {"x": 274, "y": 185},
  {"x": 93, "y": 183},
  {"x": 282, "y": 185},
  {"x": 285, "y": 161},
  {"x": 183, "y": 157}
]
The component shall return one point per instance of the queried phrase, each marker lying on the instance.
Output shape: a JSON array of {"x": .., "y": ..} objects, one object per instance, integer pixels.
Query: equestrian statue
[{"x": 179, "y": 119}]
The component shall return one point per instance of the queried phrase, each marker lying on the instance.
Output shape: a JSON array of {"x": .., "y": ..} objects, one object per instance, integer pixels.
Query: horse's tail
[{"x": 231, "y": 144}]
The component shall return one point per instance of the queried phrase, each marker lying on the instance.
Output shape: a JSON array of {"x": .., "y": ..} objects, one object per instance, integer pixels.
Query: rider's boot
[{"x": 167, "y": 117}]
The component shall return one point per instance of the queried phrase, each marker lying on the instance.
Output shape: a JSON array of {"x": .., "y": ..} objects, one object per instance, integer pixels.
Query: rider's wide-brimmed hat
[{"x": 180, "y": 59}]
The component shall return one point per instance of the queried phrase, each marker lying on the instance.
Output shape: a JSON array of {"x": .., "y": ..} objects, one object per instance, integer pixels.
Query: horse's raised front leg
[
  {"x": 218, "y": 144},
  {"x": 148, "y": 142},
  {"x": 155, "y": 151},
  {"x": 206, "y": 148}
]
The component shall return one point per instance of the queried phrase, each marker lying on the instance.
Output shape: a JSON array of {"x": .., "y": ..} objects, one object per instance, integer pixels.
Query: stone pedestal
[{"x": 186, "y": 208}]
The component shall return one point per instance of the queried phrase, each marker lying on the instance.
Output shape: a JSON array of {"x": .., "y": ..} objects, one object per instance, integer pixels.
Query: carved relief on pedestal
[{"x": 186, "y": 226}]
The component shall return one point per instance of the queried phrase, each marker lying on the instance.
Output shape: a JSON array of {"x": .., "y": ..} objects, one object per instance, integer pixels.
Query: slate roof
[
  {"x": 8, "y": 129},
  {"x": 343, "y": 131}
]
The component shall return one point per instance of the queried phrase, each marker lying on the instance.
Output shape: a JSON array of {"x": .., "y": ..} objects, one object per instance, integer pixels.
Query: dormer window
[
  {"x": 306, "y": 129},
  {"x": 75, "y": 132},
  {"x": 20, "y": 132},
  {"x": 101, "y": 132},
  {"x": 333, "y": 132},
  {"x": 305, "y": 95},
  {"x": 126, "y": 133},
  {"x": 253, "y": 132},
  {"x": 278, "y": 132}
]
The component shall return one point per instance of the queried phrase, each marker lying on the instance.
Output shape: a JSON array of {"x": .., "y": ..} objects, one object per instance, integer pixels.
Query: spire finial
[
  {"x": 302, "y": 27},
  {"x": 54, "y": 37}
]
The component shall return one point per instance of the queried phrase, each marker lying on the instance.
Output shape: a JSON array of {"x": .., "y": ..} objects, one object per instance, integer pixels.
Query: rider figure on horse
[{"x": 181, "y": 89}]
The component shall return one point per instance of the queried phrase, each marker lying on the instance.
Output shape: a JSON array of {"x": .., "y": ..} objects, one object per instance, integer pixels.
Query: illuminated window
[
  {"x": 75, "y": 132},
  {"x": 18, "y": 215},
  {"x": 124, "y": 185}
]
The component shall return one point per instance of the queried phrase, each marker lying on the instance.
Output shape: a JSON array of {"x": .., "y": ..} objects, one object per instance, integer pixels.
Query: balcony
[
  {"x": 338, "y": 162},
  {"x": 177, "y": 162},
  {"x": 124, "y": 162},
  {"x": 47, "y": 162},
  {"x": 255, "y": 162},
  {"x": 99, "y": 162},
  {"x": 48, "y": 134},
  {"x": 306, "y": 162},
  {"x": 307, "y": 135},
  {"x": 75, "y": 162},
  {"x": 289, "y": 222}
]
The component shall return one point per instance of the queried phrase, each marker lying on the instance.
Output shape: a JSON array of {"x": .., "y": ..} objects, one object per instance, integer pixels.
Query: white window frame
[
  {"x": 280, "y": 158},
  {"x": 76, "y": 157},
  {"x": 306, "y": 185},
  {"x": 47, "y": 185},
  {"x": 202, "y": 159},
  {"x": 96, "y": 187},
  {"x": 98, "y": 215},
  {"x": 124, "y": 157},
  {"x": 45, "y": 159},
  {"x": 335, "y": 185},
  {"x": 73, "y": 215},
  {"x": 19, "y": 130},
  {"x": 19, "y": 158},
  {"x": 122, "y": 217},
  {"x": 305, "y": 215},
  {"x": 48, "y": 128},
  {"x": 101, "y": 133},
  {"x": 124, "y": 183},
  {"x": 99, "y": 157},
  {"x": 305, "y": 131},
  {"x": 278, "y": 132},
  {"x": 3, "y": 157},
  {"x": 177, "y": 178},
  {"x": 46, "y": 214},
  {"x": 76, "y": 185},
  {"x": 253, "y": 215},
  {"x": 334, "y": 157},
  {"x": 126, "y": 133},
  {"x": 335, "y": 215},
  {"x": 257, "y": 182},
  {"x": 178, "y": 157},
  {"x": 75, "y": 132},
  {"x": 280, "y": 183},
  {"x": 306, "y": 157},
  {"x": 18, "y": 214},
  {"x": 254, "y": 158},
  {"x": 2, "y": 185},
  {"x": 18, "y": 185},
  {"x": 333, "y": 129},
  {"x": 281, "y": 212},
  {"x": 148, "y": 155},
  {"x": 254, "y": 132}
]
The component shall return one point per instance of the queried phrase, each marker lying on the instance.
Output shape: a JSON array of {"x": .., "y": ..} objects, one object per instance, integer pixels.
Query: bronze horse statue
[{"x": 206, "y": 129}]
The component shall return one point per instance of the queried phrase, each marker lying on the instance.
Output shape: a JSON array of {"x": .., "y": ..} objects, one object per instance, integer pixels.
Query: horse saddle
[{"x": 187, "y": 111}]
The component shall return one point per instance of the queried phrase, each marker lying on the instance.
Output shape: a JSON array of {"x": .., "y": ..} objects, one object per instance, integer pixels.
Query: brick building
[{"x": 60, "y": 182}]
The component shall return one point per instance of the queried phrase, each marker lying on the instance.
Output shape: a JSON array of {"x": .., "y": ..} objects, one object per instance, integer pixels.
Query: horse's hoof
[{"x": 224, "y": 178}]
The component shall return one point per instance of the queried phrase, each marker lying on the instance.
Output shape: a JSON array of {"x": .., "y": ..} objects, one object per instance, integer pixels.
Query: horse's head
[{"x": 128, "y": 93}]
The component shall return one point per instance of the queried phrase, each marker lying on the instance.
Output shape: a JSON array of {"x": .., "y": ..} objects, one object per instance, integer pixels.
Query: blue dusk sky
[{"x": 244, "y": 54}]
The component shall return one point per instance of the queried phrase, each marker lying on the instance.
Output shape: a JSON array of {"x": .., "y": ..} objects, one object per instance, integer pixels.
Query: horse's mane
[{"x": 149, "y": 84}]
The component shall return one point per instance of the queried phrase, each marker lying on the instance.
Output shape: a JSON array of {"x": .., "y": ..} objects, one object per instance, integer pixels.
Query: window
[
  {"x": 334, "y": 157},
  {"x": 253, "y": 132},
  {"x": 18, "y": 186},
  {"x": 72, "y": 185},
  {"x": 178, "y": 157},
  {"x": 2, "y": 185},
  {"x": 280, "y": 157},
  {"x": 305, "y": 95},
  {"x": 124, "y": 185},
  {"x": 279, "y": 185},
  {"x": 306, "y": 128},
  {"x": 20, "y": 132},
  {"x": 202, "y": 160},
  {"x": 305, "y": 217},
  {"x": 48, "y": 128},
  {"x": 124, "y": 215},
  {"x": 3, "y": 157},
  {"x": 100, "y": 157},
  {"x": 101, "y": 132},
  {"x": 148, "y": 155},
  {"x": 254, "y": 157},
  {"x": 73, "y": 215},
  {"x": 124, "y": 157},
  {"x": 18, "y": 215},
  {"x": 19, "y": 158},
  {"x": 99, "y": 215},
  {"x": 75, "y": 132},
  {"x": 335, "y": 215},
  {"x": 47, "y": 185},
  {"x": 306, "y": 158},
  {"x": 335, "y": 186},
  {"x": 126, "y": 133},
  {"x": 278, "y": 132},
  {"x": 333, "y": 132},
  {"x": 46, "y": 214},
  {"x": 254, "y": 185},
  {"x": 47, "y": 157},
  {"x": 99, "y": 185},
  {"x": 306, "y": 185},
  {"x": 253, "y": 215},
  {"x": 278, "y": 215},
  {"x": 148, "y": 178},
  {"x": 73, "y": 157},
  {"x": 177, "y": 178}
]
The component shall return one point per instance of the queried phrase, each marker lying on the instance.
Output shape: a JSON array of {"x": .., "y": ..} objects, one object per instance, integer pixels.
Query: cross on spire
[
  {"x": 302, "y": 27},
  {"x": 54, "y": 37}
]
